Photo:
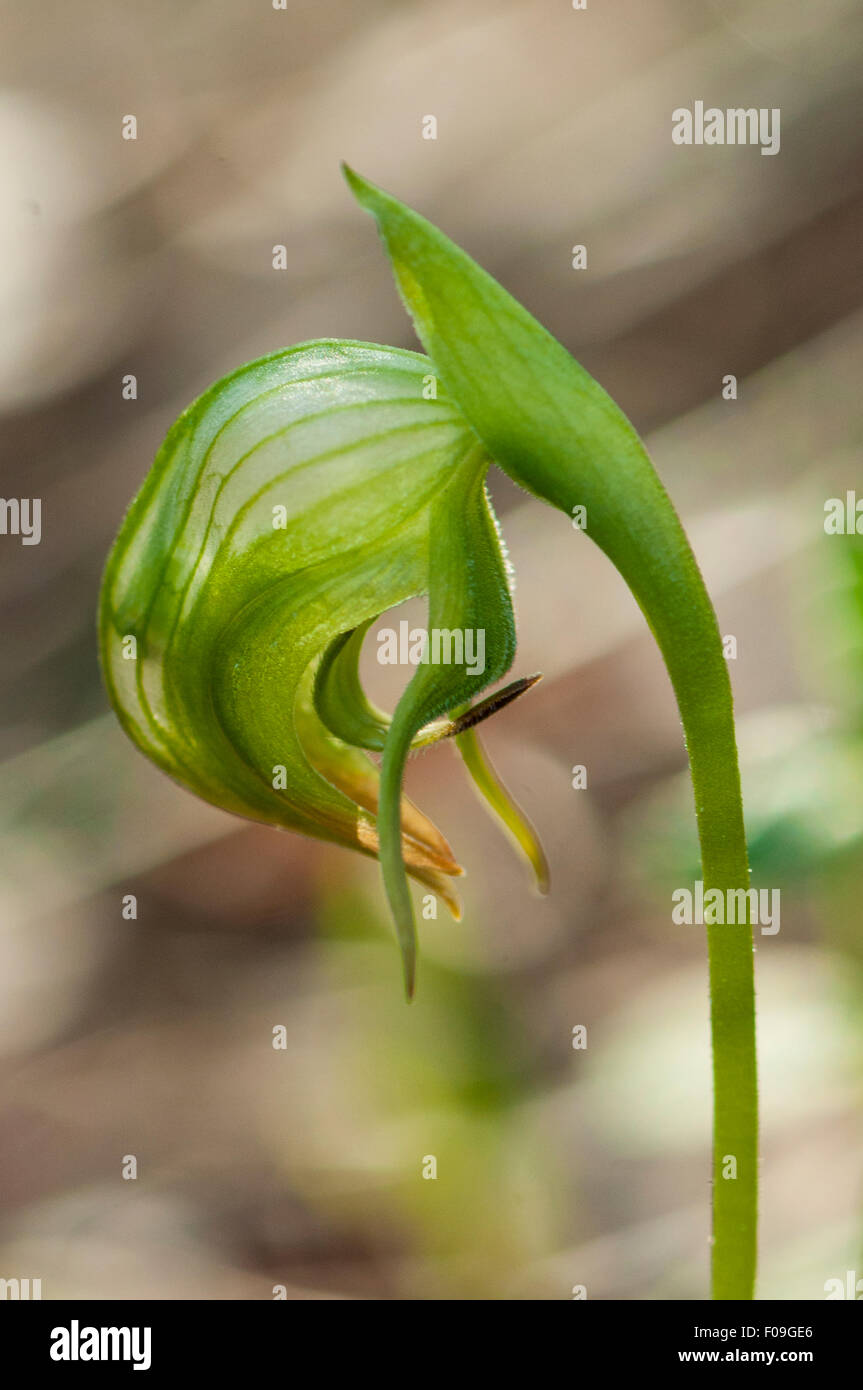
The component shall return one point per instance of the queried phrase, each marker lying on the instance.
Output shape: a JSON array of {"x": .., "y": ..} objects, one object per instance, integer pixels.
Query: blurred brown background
[{"x": 153, "y": 1037}]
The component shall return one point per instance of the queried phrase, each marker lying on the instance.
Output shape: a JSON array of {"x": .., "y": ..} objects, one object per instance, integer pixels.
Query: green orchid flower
[
  {"x": 309, "y": 492},
  {"x": 288, "y": 508}
]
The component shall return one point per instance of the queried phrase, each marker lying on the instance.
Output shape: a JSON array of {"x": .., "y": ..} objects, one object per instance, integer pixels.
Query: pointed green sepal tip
[
  {"x": 354, "y": 181},
  {"x": 367, "y": 194}
]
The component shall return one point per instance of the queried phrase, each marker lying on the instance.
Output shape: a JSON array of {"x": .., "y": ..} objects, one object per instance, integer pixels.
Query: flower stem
[
  {"x": 709, "y": 726},
  {"x": 735, "y": 1111}
]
